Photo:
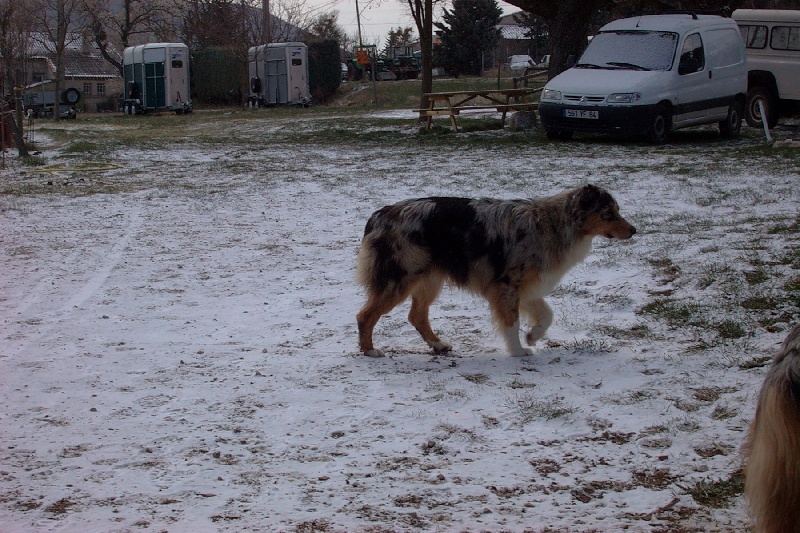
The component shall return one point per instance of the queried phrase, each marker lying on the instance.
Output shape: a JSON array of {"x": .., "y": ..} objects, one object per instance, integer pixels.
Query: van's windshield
[{"x": 632, "y": 50}]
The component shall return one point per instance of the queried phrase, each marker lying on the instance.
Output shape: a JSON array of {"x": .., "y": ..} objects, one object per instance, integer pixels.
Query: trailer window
[
  {"x": 177, "y": 63},
  {"x": 785, "y": 38},
  {"x": 754, "y": 36},
  {"x": 297, "y": 62}
]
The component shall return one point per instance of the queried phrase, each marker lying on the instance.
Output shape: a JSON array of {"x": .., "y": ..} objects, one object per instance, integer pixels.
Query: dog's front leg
[
  {"x": 514, "y": 347},
  {"x": 540, "y": 316},
  {"x": 505, "y": 308}
]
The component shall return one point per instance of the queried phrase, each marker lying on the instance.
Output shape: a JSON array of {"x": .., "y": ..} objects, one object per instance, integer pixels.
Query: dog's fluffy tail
[{"x": 772, "y": 449}]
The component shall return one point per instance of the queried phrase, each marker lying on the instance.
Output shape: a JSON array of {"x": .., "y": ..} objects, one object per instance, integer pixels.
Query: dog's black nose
[{"x": 633, "y": 230}]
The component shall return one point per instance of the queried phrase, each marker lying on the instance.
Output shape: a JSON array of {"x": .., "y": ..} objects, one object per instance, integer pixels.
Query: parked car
[
  {"x": 772, "y": 41},
  {"x": 650, "y": 75},
  {"x": 344, "y": 71},
  {"x": 545, "y": 62},
  {"x": 519, "y": 63}
]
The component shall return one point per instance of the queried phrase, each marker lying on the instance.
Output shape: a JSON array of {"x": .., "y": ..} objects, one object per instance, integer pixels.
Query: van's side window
[
  {"x": 785, "y": 38},
  {"x": 754, "y": 36},
  {"x": 692, "y": 56}
]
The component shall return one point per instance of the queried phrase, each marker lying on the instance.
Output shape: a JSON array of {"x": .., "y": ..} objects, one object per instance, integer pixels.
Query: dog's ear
[{"x": 589, "y": 198}]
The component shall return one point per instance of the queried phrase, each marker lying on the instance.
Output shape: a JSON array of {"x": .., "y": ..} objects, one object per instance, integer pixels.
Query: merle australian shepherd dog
[
  {"x": 512, "y": 252},
  {"x": 772, "y": 448}
]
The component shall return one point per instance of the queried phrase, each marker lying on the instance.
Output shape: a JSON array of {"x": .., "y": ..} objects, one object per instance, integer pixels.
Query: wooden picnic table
[{"x": 451, "y": 103}]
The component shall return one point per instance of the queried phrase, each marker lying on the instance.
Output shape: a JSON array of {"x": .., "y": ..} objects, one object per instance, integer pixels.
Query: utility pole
[
  {"x": 266, "y": 22},
  {"x": 358, "y": 22}
]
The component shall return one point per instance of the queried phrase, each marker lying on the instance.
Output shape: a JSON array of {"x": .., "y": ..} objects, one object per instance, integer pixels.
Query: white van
[
  {"x": 650, "y": 75},
  {"x": 772, "y": 39}
]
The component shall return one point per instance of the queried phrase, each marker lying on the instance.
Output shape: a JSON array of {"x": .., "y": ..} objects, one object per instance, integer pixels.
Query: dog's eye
[{"x": 608, "y": 216}]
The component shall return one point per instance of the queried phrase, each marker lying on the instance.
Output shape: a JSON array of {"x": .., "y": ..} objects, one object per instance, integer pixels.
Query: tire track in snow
[
  {"x": 112, "y": 260},
  {"x": 43, "y": 310}
]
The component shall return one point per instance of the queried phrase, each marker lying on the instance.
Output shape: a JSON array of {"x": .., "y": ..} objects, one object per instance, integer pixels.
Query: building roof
[
  {"x": 82, "y": 57},
  {"x": 513, "y": 32}
]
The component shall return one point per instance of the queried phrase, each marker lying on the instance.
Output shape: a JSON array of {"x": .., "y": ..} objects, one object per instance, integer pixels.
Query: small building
[
  {"x": 518, "y": 39},
  {"x": 91, "y": 82}
]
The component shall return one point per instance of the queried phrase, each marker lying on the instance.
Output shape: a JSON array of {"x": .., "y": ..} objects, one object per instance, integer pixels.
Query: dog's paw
[
  {"x": 441, "y": 347},
  {"x": 522, "y": 352},
  {"x": 374, "y": 353},
  {"x": 534, "y": 334}
]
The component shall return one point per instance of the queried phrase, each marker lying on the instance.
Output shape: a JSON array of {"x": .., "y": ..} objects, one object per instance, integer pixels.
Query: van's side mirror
[{"x": 571, "y": 59}]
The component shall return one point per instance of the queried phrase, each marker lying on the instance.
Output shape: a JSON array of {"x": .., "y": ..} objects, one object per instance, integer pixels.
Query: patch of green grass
[
  {"x": 674, "y": 312},
  {"x": 668, "y": 270},
  {"x": 478, "y": 379},
  {"x": 729, "y": 329},
  {"x": 755, "y": 362},
  {"x": 80, "y": 147},
  {"x": 717, "y": 493},
  {"x": 33, "y": 161},
  {"x": 723, "y": 412},
  {"x": 793, "y": 227},
  {"x": 757, "y": 276},
  {"x": 531, "y": 408},
  {"x": 793, "y": 285},
  {"x": 761, "y": 303}
]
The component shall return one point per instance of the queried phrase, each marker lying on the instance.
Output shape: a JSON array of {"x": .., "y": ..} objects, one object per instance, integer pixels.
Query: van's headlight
[
  {"x": 550, "y": 94},
  {"x": 624, "y": 98}
]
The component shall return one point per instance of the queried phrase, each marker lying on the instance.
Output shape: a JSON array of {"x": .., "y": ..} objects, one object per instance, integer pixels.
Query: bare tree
[
  {"x": 13, "y": 43},
  {"x": 119, "y": 28},
  {"x": 422, "y": 13},
  {"x": 13, "y": 46},
  {"x": 326, "y": 26},
  {"x": 52, "y": 22}
]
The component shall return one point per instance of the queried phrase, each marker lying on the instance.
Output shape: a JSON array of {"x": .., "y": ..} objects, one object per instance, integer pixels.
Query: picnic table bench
[{"x": 452, "y": 103}]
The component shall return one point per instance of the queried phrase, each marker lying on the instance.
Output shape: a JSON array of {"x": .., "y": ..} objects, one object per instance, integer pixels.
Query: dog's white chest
[{"x": 550, "y": 278}]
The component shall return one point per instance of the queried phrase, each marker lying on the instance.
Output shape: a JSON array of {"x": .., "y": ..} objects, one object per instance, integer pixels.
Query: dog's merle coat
[
  {"x": 772, "y": 448},
  {"x": 513, "y": 252}
]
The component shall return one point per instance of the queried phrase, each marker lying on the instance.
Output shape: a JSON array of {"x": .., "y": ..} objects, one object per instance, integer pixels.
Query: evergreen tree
[{"x": 468, "y": 33}]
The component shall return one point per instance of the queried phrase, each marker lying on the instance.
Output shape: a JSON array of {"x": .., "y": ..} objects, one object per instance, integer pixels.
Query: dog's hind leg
[
  {"x": 504, "y": 301},
  {"x": 377, "y": 305},
  {"x": 422, "y": 296},
  {"x": 540, "y": 316}
]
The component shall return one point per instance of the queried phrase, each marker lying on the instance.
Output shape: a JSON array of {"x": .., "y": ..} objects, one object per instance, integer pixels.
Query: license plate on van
[{"x": 580, "y": 113}]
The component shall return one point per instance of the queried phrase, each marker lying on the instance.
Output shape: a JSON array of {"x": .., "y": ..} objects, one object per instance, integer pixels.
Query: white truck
[
  {"x": 772, "y": 42},
  {"x": 650, "y": 75}
]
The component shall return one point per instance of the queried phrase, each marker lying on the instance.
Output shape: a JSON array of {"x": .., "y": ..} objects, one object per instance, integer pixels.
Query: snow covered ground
[{"x": 178, "y": 343}]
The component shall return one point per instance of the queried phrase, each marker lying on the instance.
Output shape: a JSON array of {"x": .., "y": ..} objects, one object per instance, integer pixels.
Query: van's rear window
[
  {"x": 785, "y": 38},
  {"x": 754, "y": 36}
]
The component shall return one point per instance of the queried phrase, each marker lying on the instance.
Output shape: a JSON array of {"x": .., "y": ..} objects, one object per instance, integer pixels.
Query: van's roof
[
  {"x": 667, "y": 22},
  {"x": 766, "y": 15}
]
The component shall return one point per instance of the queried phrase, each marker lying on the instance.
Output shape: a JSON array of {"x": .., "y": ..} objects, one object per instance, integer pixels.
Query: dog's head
[{"x": 599, "y": 213}]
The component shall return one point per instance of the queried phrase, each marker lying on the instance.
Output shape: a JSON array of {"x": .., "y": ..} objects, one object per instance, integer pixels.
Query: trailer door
[
  {"x": 277, "y": 81},
  {"x": 155, "y": 92}
]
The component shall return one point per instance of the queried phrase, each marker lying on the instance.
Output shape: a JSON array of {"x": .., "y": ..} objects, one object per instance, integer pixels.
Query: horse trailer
[
  {"x": 156, "y": 78},
  {"x": 278, "y": 74}
]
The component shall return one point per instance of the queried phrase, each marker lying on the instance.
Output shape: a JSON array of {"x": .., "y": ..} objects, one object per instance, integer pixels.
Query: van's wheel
[
  {"x": 660, "y": 126},
  {"x": 753, "y": 112},
  {"x": 559, "y": 135},
  {"x": 732, "y": 125}
]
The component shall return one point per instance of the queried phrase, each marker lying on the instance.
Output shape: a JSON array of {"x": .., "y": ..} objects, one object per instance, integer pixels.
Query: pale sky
[{"x": 377, "y": 18}]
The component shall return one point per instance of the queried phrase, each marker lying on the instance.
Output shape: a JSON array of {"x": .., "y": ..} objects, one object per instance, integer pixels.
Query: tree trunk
[
  {"x": 16, "y": 128},
  {"x": 568, "y": 22},
  {"x": 422, "y": 12},
  {"x": 569, "y": 28}
]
